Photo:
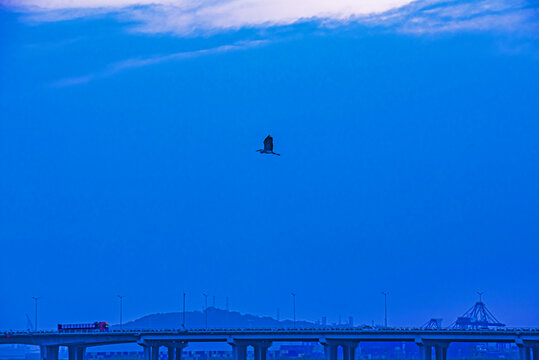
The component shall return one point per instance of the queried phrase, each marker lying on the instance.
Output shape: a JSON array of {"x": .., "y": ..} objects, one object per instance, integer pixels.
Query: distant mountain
[{"x": 217, "y": 319}]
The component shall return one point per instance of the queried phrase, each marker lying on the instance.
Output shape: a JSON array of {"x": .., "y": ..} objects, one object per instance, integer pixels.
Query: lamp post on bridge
[
  {"x": 385, "y": 307},
  {"x": 35, "y": 319},
  {"x": 294, "y": 303},
  {"x": 183, "y": 312},
  {"x": 205, "y": 311},
  {"x": 121, "y": 297}
]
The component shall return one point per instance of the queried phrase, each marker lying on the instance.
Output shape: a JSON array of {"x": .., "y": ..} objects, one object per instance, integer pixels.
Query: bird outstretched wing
[{"x": 268, "y": 143}]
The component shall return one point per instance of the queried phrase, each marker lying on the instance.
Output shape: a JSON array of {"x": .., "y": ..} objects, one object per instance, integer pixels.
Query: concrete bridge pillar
[
  {"x": 330, "y": 351},
  {"x": 151, "y": 351},
  {"x": 175, "y": 350},
  {"x": 147, "y": 353},
  {"x": 239, "y": 351},
  {"x": 425, "y": 351},
  {"x": 440, "y": 351},
  {"x": 76, "y": 352},
  {"x": 178, "y": 351},
  {"x": 535, "y": 352},
  {"x": 349, "y": 350},
  {"x": 155, "y": 352},
  {"x": 261, "y": 349},
  {"x": 49, "y": 352},
  {"x": 525, "y": 352},
  {"x": 331, "y": 348}
]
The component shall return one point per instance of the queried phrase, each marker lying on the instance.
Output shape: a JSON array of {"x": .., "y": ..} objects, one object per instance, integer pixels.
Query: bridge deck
[{"x": 225, "y": 335}]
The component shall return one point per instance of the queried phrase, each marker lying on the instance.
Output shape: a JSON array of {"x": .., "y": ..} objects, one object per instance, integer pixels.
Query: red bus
[{"x": 96, "y": 326}]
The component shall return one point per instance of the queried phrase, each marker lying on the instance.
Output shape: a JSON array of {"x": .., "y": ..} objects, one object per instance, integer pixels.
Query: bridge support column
[
  {"x": 178, "y": 350},
  {"x": 524, "y": 351},
  {"x": 76, "y": 352},
  {"x": 425, "y": 351},
  {"x": 331, "y": 348},
  {"x": 261, "y": 349},
  {"x": 330, "y": 351},
  {"x": 535, "y": 352},
  {"x": 440, "y": 351},
  {"x": 151, "y": 351},
  {"x": 155, "y": 352},
  {"x": 175, "y": 350},
  {"x": 239, "y": 351},
  {"x": 49, "y": 352},
  {"x": 147, "y": 353},
  {"x": 349, "y": 350}
]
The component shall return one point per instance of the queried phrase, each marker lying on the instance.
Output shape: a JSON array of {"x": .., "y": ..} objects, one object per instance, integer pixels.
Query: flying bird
[{"x": 268, "y": 146}]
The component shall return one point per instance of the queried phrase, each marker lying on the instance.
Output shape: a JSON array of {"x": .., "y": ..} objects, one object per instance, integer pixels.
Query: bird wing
[{"x": 268, "y": 143}]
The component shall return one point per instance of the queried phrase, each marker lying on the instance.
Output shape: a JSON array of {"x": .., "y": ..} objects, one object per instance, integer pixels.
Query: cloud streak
[
  {"x": 429, "y": 17},
  {"x": 133, "y": 63},
  {"x": 188, "y": 16},
  {"x": 195, "y": 17}
]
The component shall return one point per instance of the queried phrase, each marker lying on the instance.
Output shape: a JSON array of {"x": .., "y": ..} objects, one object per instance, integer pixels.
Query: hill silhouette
[{"x": 217, "y": 319}]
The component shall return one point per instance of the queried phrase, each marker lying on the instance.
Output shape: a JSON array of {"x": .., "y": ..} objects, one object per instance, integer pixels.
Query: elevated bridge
[{"x": 432, "y": 343}]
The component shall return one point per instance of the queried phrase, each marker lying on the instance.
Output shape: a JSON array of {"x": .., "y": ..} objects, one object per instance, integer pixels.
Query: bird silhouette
[{"x": 268, "y": 146}]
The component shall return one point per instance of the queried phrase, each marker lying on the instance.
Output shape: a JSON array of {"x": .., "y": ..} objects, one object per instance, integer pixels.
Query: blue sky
[{"x": 409, "y": 142}]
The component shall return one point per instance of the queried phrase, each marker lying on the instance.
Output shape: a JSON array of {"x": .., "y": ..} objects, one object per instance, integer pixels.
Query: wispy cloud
[
  {"x": 192, "y": 17},
  {"x": 51, "y": 45},
  {"x": 195, "y": 16},
  {"x": 427, "y": 17},
  {"x": 124, "y": 65}
]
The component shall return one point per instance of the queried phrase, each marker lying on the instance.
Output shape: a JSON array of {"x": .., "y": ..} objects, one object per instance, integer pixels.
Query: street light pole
[
  {"x": 183, "y": 315},
  {"x": 385, "y": 307},
  {"x": 294, "y": 302},
  {"x": 35, "y": 319},
  {"x": 205, "y": 310},
  {"x": 121, "y": 310}
]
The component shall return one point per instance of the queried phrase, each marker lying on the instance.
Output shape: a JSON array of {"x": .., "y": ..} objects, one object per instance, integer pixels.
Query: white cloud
[
  {"x": 437, "y": 16},
  {"x": 483, "y": 15},
  {"x": 187, "y": 17},
  {"x": 274, "y": 9},
  {"x": 77, "y": 4},
  {"x": 141, "y": 62}
]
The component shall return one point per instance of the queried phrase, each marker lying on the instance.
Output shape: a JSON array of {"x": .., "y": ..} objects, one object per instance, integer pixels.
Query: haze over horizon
[{"x": 409, "y": 147}]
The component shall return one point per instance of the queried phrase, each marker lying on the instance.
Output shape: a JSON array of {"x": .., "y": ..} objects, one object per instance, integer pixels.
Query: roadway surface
[{"x": 96, "y": 338}]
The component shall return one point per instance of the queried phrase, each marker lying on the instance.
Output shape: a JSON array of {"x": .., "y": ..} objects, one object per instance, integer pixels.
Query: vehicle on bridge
[{"x": 96, "y": 326}]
